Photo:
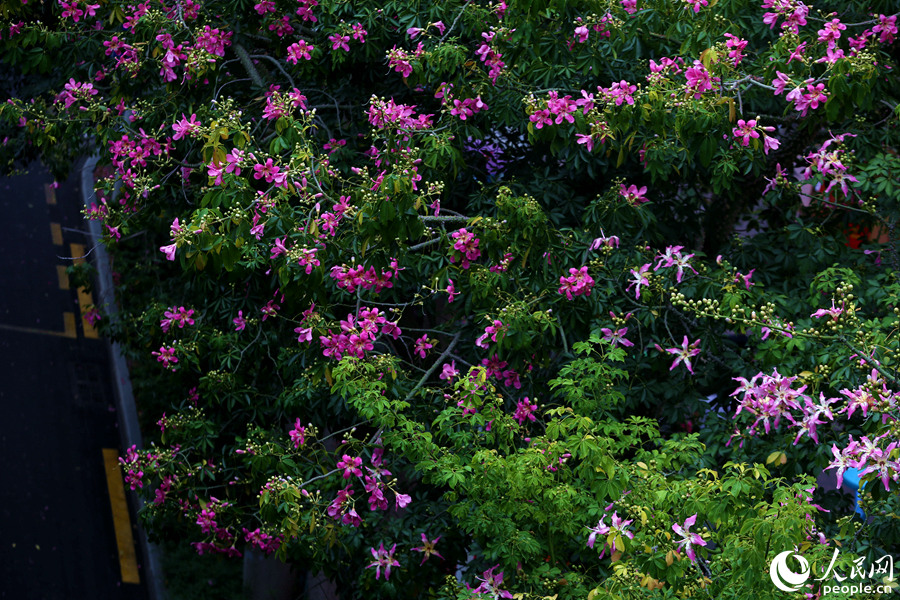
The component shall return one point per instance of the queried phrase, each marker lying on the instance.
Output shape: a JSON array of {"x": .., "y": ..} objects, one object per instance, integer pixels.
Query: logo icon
[{"x": 783, "y": 577}]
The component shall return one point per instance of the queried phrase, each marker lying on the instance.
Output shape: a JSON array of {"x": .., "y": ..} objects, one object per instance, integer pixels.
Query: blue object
[{"x": 851, "y": 482}]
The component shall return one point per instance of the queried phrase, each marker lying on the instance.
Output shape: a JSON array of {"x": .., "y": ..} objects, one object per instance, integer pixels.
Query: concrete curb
[{"x": 125, "y": 408}]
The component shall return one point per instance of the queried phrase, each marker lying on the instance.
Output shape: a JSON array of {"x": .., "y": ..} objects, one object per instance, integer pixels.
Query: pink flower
[
  {"x": 298, "y": 434},
  {"x": 695, "y": 4},
  {"x": 239, "y": 322},
  {"x": 640, "y": 279},
  {"x": 582, "y": 33},
  {"x": 427, "y": 548},
  {"x": 169, "y": 251},
  {"x": 422, "y": 346},
  {"x": 578, "y": 283},
  {"x": 166, "y": 356},
  {"x": 525, "y": 411},
  {"x": 451, "y": 291},
  {"x": 745, "y": 130},
  {"x": 299, "y": 50},
  {"x": 350, "y": 465},
  {"x": 616, "y": 337},
  {"x": 633, "y": 194},
  {"x": 383, "y": 558},
  {"x": 184, "y": 126},
  {"x": 688, "y": 540},
  {"x": 339, "y": 41},
  {"x": 684, "y": 354},
  {"x": 698, "y": 80},
  {"x": 449, "y": 371}
]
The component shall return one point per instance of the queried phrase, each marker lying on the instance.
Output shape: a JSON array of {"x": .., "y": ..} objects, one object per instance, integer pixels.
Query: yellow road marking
[
  {"x": 85, "y": 299},
  {"x": 63, "y": 277},
  {"x": 121, "y": 520},
  {"x": 77, "y": 251},
  {"x": 50, "y": 193},
  {"x": 69, "y": 330},
  {"x": 56, "y": 232}
]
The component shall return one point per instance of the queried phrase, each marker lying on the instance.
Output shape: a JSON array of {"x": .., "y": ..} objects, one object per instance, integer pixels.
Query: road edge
[{"x": 126, "y": 411}]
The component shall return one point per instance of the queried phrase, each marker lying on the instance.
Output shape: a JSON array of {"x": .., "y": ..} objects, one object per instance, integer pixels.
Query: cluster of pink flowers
[
  {"x": 828, "y": 161},
  {"x": 466, "y": 247},
  {"x": 496, "y": 368},
  {"x": 467, "y": 107},
  {"x": 265, "y": 542},
  {"x": 619, "y": 92},
  {"x": 358, "y": 334},
  {"x": 71, "y": 9},
  {"x": 698, "y": 80},
  {"x": 342, "y": 508},
  {"x": 75, "y": 91},
  {"x": 490, "y": 584},
  {"x": 351, "y": 278},
  {"x": 127, "y": 153},
  {"x": 166, "y": 355},
  {"x": 583, "y": 29},
  {"x": 126, "y": 54},
  {"x": 490, "y": 57},
  {"x": 770, "y": 398},
  {"x": 401, "y": 60},
  {"x": 270, "y": 172},
  {"x": 491, "y": 332},
  {"x": 618, "y": 526},
  {"x": 886, "y": 29},
  {"x": 803, "y": 100},
  {"x": 747, "y": 130},
  {"x": 504, "y": 264},
  {"x": 672, "y": 257},
  {"x": 185, "y": 127},
  {"x": 279, "y": 104},
  {"x": 578, "y": 283},
  {"x": 173, "y": 56},
  {"x": 383, "y": 113},
  {"x": 414, "y": 32},
  {"x": 558, "y": 110},
  {"x": 299, "y": 50},
  {"x": 660, "y": 70},
  {"x": 794, "y": 13},
  {"x": 305, "y": 10},
  {"x": 213, "y": 41},
  {"x": 868, "y": 456},
  {"x": 449, "y": 371},
  {"x": 736, "y": 48},
  {"x": 131, "y": 464},
  {"x": 178, "y": 315},
  {"x": 383, "y": 559}
]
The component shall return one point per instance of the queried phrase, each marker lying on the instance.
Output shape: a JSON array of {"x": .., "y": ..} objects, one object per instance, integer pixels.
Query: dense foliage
[{"x": 554, "y": 299}]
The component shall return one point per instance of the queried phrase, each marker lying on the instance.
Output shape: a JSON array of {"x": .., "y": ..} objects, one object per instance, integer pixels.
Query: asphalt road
[{"x": 58, "y": 538}]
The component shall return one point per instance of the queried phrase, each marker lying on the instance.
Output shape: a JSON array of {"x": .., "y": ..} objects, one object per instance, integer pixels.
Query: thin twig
[{"x": 439, "y": 360}]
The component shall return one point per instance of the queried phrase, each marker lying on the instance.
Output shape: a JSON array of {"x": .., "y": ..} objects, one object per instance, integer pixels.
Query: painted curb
[{"x": 126, "y": 411}]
